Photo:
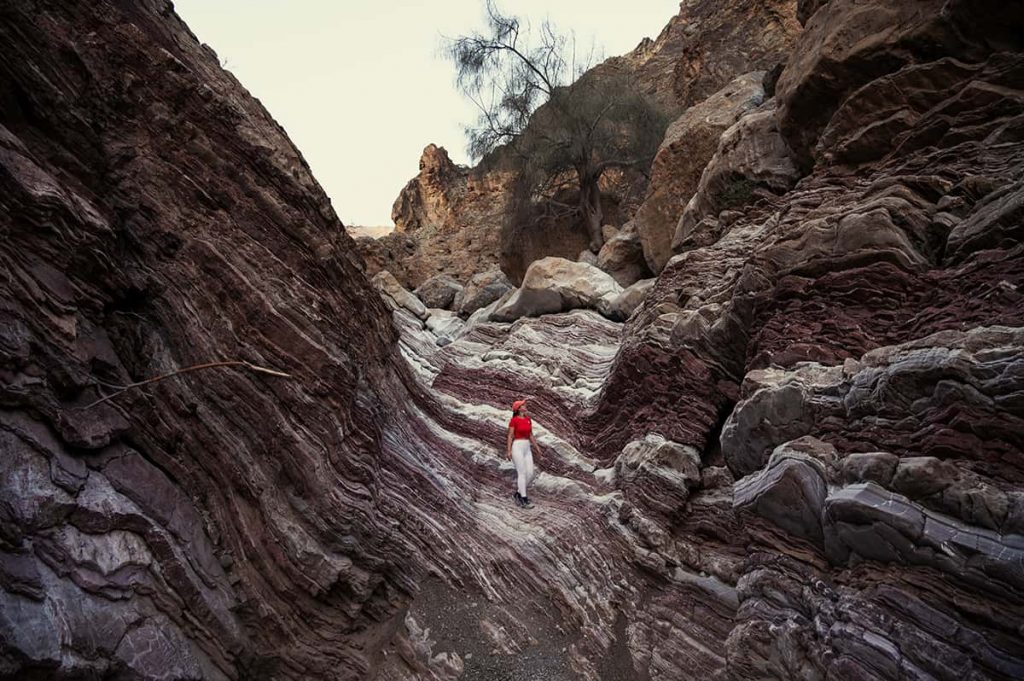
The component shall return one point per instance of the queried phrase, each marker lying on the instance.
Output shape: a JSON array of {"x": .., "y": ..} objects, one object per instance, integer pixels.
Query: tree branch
[{"x": 197, "y": 367}]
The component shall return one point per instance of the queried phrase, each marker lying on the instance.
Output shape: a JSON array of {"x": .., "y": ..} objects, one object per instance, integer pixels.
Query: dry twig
[{"x": 196, "y": 367}]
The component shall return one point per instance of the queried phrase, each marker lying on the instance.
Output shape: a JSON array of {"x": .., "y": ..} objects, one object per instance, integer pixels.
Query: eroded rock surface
[
  {"x": 213, "y": 524},
  {"x": 559, "y": 285},
  {"x": 690, "y": 142},
  {"x": 706, "y": 45},
  {"x": 448, "y": 220}
]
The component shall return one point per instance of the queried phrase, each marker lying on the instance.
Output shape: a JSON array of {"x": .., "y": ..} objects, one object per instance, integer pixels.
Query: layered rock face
[
  {"x": 850, "y": 324},
  {"x": 221, "y": 524},
  {"x": 689, "y": 144},
  {"x": 707, "y": 44},
  {"x": 712, "y": 65}
]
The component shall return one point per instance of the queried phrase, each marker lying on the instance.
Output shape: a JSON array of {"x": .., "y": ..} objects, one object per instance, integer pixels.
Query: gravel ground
[{"x": 454, "y": 618}]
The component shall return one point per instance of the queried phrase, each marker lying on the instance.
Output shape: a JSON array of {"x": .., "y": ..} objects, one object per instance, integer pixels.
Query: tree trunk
[{"x": 590, "y": 209}]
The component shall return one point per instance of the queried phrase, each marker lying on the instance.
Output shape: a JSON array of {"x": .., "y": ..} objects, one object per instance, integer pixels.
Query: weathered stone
[
  {"x": 752, "y": 161},
  {"x": 995, "y": 222},
  {"x": 790, "y": 491},
  {"x": 447, "y": 220},
  {"x": 867, "y": 521},
  {"x": 481, "y": 290},
  {"x": 439, "y": 291},
  {"x": 850, "y": 43},
  {"x": 558, "y": 285},
  {"x": 906, "y": 109},
  {"x": 622, "y": 256},
  {"x": 156, "y": 218},
  {"x": 877, "y": 467},
  {"x": 705, "y": 46},
  {"x": 658, "y": 474},
  {"x": 805, "y": 9},
  {"x": 259, "y": 526},
  {"x": 623, "y": 306},
  {"x": 587, "y": 256},
  {"x": 397, "y": 297},
  {"x": 690, "y": 142},
  {"x": 444, "y": 323}
]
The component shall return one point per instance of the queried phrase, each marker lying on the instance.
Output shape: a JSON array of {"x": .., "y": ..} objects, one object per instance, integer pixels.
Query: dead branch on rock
[{"x": 196, "y": 367}]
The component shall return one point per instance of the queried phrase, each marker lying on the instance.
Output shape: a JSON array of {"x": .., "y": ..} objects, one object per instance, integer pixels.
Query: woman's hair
[{"x": 515, "y": 412}]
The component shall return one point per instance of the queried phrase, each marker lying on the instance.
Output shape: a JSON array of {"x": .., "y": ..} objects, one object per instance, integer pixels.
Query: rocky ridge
[{"x": 452, "y": 220}]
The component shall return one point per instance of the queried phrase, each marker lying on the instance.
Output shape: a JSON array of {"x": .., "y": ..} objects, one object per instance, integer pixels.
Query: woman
[{"x": 520, "y": 437}]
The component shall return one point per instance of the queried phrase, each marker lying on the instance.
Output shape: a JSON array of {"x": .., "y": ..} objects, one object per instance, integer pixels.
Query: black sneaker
[
  {"x": 519, "y": 499},
  {"x": 525, "y": 502}
]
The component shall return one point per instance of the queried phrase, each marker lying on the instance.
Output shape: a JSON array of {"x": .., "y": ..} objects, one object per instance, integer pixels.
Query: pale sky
[{"x": 360, "y": 87}]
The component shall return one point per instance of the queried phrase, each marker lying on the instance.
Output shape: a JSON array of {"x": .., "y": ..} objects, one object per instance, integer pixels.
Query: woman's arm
[
  {"x": 534, "y": 447},
  {"x": 508, "y": 444}
]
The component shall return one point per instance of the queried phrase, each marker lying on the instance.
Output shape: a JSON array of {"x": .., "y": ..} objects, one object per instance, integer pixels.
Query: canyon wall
[{"x": 221, "y": 523}]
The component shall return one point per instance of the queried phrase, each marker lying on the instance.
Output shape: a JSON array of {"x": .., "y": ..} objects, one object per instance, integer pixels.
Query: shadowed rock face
[
  {"x": 801, "y": 456},
  {"x": 867, "y": 322},
  {"x": 155, "y": 217}
]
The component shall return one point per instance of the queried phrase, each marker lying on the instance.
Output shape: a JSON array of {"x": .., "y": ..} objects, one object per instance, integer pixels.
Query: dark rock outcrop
[
  {"x": 480, "y": 291},
  {"x": 214, "y": 524},
  {"x": 847, "y": 345}
]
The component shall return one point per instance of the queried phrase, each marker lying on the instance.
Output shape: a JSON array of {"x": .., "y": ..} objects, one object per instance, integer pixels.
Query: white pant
[{"x": 522, "y": 457}]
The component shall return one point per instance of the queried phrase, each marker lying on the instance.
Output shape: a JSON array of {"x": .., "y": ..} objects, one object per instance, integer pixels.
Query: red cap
[{"x": 517, "y": 405}]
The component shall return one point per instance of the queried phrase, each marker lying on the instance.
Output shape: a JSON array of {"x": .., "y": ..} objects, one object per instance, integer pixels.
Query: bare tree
[{"x": 554, "y": 125}]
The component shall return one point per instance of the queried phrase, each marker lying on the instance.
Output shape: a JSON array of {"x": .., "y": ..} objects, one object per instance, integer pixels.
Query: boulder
[
  {"x": 397, "y": 297},
  {"x": 622, "y": 256},
  {"x": 790, "y": 491},
  {"x": 587, "y": 256},
  {"x": 389, "y": 252},
  {"x": 439, "y": 291},
  {"x": 444, "y": 323},
  {"x": 558, "y": 285},
  {"x": 689, "y": 144},
  {"x": 629, "y": 300},
  {"x": 481, "y": 290},
  {"x": 658, "y": 474}
]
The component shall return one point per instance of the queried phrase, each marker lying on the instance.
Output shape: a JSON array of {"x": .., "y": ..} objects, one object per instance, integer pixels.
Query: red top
[{"x": 521, "y": 426}]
